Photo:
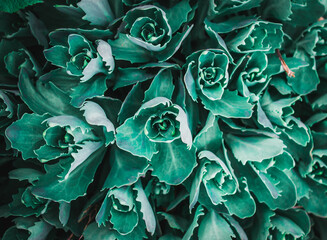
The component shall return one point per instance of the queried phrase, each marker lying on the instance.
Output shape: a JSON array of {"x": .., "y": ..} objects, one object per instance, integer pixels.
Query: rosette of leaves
[
  {"x": 312, "y": 174},
  {"x": 265, "y": 171},
  {"x": 152, "y": 33},
  {"x": 318, "y": 124},
  {"x": 73, "y": 143},
  {"x": 207, "y": 78},
  {"x": 160, "y": 134},
  {"x": 309, "y": 47},
  {"x": 276, "y": 113},
  {"x": 215, "y": 186},
  {"x": 268, "y": 224},
  {"x": 250, "y": 75},
  {"x": 127, "y": 213},
  {"x": 258, "y": 36},
  {"x": 79, "y": 58}
]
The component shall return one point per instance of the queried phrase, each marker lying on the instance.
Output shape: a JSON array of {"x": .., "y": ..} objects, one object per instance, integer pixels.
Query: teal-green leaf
[
  {"x": 254, "y": 148},
  {"x": 43, "y": 96},
  {"x": 27, "y": 139},
  {"x": 174, "y": 162},
  {"x": 173, "y": 45},
  {"x": 40, "y": 230},
  {"x": 210, "y": 137},
  {"x": 161, "y": 86},
  {"x": 125, "y": 168},
  {"x": 124, "y": 49},
  {"x": 132, "y": 102},
  {"x": 28, "y": 174},
  {"x": 93, "y": 232},
  {"x": 214, "y": 226},
  {"x": 230, "y": 24},
  {"x": 95, "y": 115},
  {"x": 124, "y": 222},
  {"x": 240, "y": 204},
  {"x": 146, "y": 209},
  {"x": 97, "y": 13},
  {"x": 64, "y": 212},
  {"x": 128, "y": 76},
  {"x": 132, "y": 131},
  {"x": 57, "y": 55},
  {"x": 190, "y": 233},
  {"x": 231, "y": 105},
  {"x": 178, "y": 14},
  {"x": 300, "y": 83},
  {"x": 51, "y": 186},
  {"x": 272, "y": 187},
  {"x": 12, "y": 6}
]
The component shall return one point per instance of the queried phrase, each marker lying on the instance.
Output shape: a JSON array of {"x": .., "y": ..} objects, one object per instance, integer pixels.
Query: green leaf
[
  {"x": 52, "y": 186},
  {"x": 195, "y": 223},
  {"x": 123, "y": 222},
  {"x": 210, "y": 137},
  {"x": 240, "y": 204},
  {"x": 230, "y": 105},
  {"x": 132, "y": 102},
  {"x": 175, "y": 222},
  {"x": 146, "y": 209},
  {"x": 11, "y": 6},
  {"x": 254, "y": 148},
  {"x": 26, "y": 139},
  {"x": 96, "y": 116},
  {"x": 125, "y": 168},
  {"x": 161, "y": 86},
  {"x": 128, "y": 76},
  {"x": 174, "y": 162},
  {"x": 15, "y": 233},
  {"x": 38, "y": 29},
  {"x": 299, "y": 83},
  {"x": 178, "y": 14},
  {"x": 124, "y": 49},
  {"x": 82, "y": 155},
  {"x": 57, "y": 55},
  {"x": 97, "y": 13},
  {"x": 173, "y": 45},
  {"x": 43, "y": 96},
  {"x": 259, "y": 36},
  {"x": 39, "y": 231},
  {"x": 272, "y": 187},
  {"x": 28, "y": 174},
  {"x": 213, "y": 226},
  {"x": 231, "y": 24},
  {"x": 132, "y": 131},
  {"x": 64, "y": 212},
  {"x": 263, "y": 220},
  {"x": 94, "y": 87},
  {"x": 190, "y": 82},
  {"x": 93, "y": 232}
]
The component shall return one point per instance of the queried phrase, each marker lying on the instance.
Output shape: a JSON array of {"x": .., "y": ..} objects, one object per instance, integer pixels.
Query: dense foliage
[{"x": 163, "y": 119}]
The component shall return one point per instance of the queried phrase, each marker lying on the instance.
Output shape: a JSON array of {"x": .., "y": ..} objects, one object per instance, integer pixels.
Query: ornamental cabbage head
[
  {"x": 49, "y": 138},
  {"x": 250, "y": 74},
  {"x": 80, "y": 58},
  {"x": 207, "y": 78},
  {"x": 159, "y": 131},
  {"x": 259, "y": 36}
]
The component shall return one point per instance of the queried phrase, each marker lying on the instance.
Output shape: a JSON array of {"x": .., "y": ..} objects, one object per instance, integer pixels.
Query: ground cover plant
[{"x": 163, "y": 119}]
